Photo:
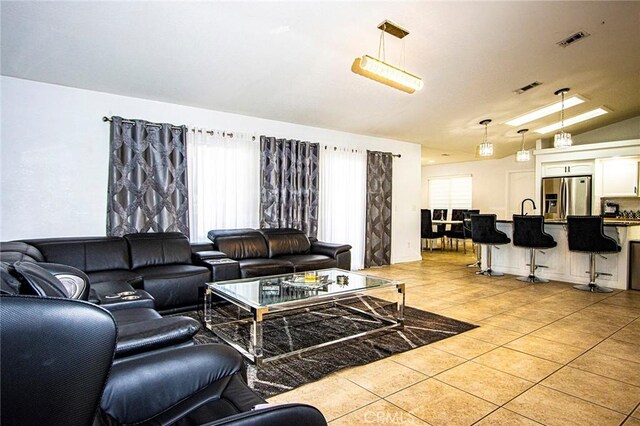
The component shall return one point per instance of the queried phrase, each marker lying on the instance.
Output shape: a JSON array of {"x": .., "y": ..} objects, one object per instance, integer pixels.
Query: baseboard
[{"x": 406, "y": 259}]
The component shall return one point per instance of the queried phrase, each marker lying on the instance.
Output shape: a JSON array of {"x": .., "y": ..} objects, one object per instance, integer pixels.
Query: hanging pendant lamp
[
  {"x": 523, "y": 155},
  {"x": 486, "y": 148},
  {"x": 562, "y": 139}
]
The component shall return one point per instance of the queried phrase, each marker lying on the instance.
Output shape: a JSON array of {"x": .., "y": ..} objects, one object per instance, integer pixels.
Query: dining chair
[
  {"x": 456, "y": 231},
  {"x": 426, "y": 230},
  {"x": 440, "y": 214}
]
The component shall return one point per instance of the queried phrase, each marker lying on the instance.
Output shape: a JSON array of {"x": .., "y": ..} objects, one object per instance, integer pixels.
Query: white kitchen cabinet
[
  {"x": 568, "y": 169},
  {"x": 620, "y": 177}
]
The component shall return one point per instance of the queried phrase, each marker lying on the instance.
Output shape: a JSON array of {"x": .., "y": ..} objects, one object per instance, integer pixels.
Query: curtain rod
[
  {"x": 356, "y": 149},
  {"x": 224, "y": 133},
  {"x": 105, "y": 119}
]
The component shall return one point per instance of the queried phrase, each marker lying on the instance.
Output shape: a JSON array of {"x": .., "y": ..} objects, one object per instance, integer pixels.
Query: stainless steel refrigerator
[{"x": 563, "y": 196}]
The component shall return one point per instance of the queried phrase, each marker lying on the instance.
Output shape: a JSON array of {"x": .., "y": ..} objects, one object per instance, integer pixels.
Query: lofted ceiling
[{"x": 291, "y": 61}]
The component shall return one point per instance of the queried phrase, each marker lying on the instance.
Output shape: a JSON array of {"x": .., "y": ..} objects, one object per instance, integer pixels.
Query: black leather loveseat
[
  {"x": 159, "y": 263},
  {"x": 260, "y": 252}
]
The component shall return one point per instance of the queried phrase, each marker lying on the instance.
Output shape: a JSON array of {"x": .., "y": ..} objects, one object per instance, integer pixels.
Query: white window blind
[{"x": 450, "y": 192}]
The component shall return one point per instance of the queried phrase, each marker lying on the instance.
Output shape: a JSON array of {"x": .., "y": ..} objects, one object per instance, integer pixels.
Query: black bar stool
[
  {"x": 528, "y": 232},
  {"x": 586, "y": 234},
  {"x": 466, "y": 228},
  {"x": 426, "y": 229},
  {"x": 484, "y": 232}
]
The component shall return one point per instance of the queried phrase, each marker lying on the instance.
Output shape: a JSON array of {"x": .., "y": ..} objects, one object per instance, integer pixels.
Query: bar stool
[
  {"x": 426, "y": 229},
  {"x": 528, "y": 232},
  {"x": 466, "y": 229},
  {"x": 484, "y": 232},
  {"x": 586, "y": 234}
]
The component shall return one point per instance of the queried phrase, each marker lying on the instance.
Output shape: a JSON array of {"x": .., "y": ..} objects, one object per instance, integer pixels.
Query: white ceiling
[{"x": 291, "y": 61}]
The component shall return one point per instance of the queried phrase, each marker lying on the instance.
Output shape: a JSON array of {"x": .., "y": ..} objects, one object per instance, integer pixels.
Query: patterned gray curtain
[
  {"x": 377, "y": 250},
  {"x": 147, "y": 178},
  {"x": 289, "y": 191}
]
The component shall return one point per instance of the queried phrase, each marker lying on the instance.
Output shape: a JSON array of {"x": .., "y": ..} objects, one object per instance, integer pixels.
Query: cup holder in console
[
  {"x": 125, "y": 295},
  {"x": 130, "y": 297}
]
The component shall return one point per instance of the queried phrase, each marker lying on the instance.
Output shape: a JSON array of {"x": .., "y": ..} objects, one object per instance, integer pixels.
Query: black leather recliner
[{"x": 56, "y": 361}]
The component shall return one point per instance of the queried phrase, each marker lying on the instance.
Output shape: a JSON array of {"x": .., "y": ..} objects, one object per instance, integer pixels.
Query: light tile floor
[{"x": 543, "y": 354}]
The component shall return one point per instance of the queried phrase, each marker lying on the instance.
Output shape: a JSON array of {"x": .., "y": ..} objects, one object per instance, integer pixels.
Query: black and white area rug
[{"x": 308, "y": 327}]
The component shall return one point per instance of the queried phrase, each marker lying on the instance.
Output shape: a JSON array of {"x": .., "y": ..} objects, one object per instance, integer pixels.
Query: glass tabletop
[{"x": 274, "y": 290}]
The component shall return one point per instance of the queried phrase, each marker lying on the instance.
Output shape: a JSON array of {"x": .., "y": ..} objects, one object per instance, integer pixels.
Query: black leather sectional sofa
[
  {"x": 117, "y": 360},
  {"x": 159, "y": 263},
  {"x": 169, "y": 271},
  {"x": 141, "y": 329}
]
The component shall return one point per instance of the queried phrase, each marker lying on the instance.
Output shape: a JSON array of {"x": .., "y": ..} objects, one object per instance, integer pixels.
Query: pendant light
[
  {"x": 523, "y": 155},
  {"x": 562, "y": 139},
  {"x": 379, "y": 70},
  {"x": 486, "y": 148}
]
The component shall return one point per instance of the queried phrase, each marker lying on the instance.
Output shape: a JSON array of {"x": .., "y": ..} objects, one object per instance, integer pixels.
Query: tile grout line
[{"x": 507, "y": 312}]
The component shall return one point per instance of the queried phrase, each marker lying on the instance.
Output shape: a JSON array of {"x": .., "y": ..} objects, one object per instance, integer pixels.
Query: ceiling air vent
[
  {"x": 573, "y": 38},
  {"x": 529, "y": 86}
]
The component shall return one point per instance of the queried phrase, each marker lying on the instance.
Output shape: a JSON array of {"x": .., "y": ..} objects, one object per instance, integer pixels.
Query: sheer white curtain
[
  {"x": 343, "y": 191},
  {"x": 224, "y": 181}
]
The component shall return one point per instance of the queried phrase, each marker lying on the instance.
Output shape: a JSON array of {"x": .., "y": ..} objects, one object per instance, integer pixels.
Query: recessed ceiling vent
[
  {"x": 529, "y": 86},
  {"x": 573, "y": 38}
]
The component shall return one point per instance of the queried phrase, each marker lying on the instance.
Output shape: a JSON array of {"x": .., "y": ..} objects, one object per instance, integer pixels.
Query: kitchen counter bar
[
  {"x": 565, "y": 265},
  {"x": 607, "y": 222}
]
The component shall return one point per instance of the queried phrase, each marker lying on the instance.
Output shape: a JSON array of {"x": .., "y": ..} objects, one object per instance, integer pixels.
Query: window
[
  {"x": 450, "y": 192},
  {"x": 343, "y": 191},
  {"x": 224, "y": 182}
]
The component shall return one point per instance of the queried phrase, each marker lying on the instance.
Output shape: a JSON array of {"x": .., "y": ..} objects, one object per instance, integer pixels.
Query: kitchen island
[{"x": 565, "y": 265}]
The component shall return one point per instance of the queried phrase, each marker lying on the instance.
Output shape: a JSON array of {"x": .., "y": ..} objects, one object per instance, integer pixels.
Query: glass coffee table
[{"x": 352, "y": 304}]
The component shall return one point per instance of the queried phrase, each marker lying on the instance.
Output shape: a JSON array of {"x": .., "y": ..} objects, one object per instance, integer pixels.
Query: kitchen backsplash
[{"x": 629, "y": 206}]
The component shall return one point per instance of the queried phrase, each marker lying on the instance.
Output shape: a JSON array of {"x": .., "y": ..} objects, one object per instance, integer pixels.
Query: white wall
[
  {"x": 489, "y": 179},
  {"x": 620, "y": 131},
  {"x": 54, "y": 164}
]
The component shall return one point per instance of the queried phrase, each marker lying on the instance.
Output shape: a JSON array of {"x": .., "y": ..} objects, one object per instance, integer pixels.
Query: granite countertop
[{"x": 607, "y": 222}]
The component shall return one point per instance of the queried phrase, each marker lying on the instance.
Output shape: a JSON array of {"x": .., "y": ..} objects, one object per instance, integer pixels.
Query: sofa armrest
[
  {"x": 275, "y": 415},
  {"x": 152, "y": 334},
  {"x": 75, "y": 278},
  {"x": 329, "y": 249},
  {"x": 141, "y": 388},
  {"x": 199, "y": 257},
  {"x": 206, "y": 246}
]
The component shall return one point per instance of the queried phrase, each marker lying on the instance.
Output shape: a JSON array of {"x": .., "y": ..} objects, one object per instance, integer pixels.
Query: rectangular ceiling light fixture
[
  {"x": 379, "y": 70},
  {"x": 370, "y": 67},
  {"x": 544, "y": 111},
  {"x": 573, "y": 120}
]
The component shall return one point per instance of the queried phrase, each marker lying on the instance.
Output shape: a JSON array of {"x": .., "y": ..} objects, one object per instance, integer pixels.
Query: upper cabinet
[
  {"x": 574, "y": 168},
  {"x": 620, "y": 177}
]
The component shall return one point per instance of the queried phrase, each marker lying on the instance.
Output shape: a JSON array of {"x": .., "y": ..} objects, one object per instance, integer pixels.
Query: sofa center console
[{"x": 126, "y": 300}]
